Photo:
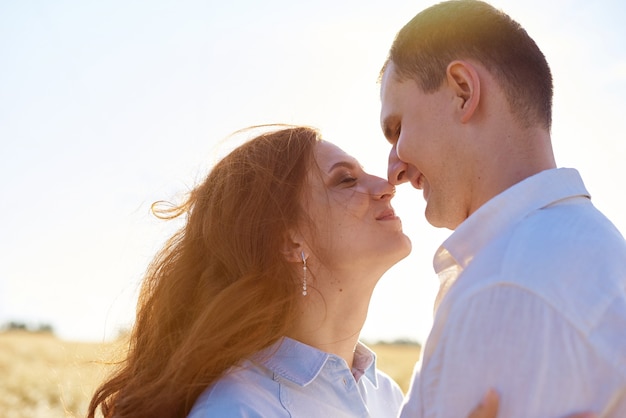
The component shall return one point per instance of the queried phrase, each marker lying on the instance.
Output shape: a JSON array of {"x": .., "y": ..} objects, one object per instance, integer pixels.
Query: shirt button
[{"x": 345, "y": 382}]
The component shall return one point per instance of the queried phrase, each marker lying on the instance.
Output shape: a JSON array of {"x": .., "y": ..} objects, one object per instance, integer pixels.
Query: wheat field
[{"x": 42, "y": 376}]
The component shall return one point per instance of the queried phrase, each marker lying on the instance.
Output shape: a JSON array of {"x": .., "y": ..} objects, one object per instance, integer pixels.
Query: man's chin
[{"x": 435, "y": 219}]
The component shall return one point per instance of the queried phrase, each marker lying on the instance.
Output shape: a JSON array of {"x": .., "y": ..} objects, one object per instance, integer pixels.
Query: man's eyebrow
[{"x": 388, "y": 131}]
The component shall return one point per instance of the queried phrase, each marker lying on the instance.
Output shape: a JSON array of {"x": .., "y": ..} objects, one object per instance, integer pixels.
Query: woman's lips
[{"x": 387, "y": 215}]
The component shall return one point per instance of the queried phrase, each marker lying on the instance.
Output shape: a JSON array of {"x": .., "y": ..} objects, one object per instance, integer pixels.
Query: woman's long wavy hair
[{"x": 221, "y": 289}]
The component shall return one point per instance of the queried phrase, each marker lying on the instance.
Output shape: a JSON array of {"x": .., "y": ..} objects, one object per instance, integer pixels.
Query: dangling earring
[{"x": 303, "y": 274}]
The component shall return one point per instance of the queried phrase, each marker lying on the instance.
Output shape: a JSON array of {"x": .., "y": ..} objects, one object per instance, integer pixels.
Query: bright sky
[{"x": 106, "y": 107}]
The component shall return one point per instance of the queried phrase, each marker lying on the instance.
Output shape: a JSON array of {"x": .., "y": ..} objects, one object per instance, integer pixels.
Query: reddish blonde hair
[{"x": 221, "y": 288}]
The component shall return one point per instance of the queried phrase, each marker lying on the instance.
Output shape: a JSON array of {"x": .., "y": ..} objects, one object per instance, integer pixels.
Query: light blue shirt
[
  {"x": 291, "y": 379},
  {"x": 533, "y": 304}
]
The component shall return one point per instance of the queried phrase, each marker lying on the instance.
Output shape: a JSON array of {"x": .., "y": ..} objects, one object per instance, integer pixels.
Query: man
[{"x": 533, "y": 279}]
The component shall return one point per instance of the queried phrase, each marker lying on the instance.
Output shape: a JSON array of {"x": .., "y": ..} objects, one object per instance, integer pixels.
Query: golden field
[{"x": 42, "y": 376}]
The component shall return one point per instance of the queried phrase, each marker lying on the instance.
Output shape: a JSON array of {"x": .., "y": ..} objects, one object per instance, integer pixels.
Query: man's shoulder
[
  {"x": 568, "y": 257},
  {"x": 576, "y": 220},
  {"x": 562, "y": 244}
]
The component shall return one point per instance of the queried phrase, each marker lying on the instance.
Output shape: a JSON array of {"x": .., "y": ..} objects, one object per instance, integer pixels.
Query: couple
[{"x": 254, "y": 308}]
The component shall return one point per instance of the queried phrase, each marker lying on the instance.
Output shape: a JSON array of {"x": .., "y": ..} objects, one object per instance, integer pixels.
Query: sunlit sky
[{"x": 106, "y": 107}]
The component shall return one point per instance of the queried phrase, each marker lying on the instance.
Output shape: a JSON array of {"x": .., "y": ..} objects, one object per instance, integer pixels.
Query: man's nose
[{"x": 396, "y": 168}]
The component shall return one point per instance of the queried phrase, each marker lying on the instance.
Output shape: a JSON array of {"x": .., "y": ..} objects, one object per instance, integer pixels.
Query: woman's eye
[{"x": 348, "y": 180}]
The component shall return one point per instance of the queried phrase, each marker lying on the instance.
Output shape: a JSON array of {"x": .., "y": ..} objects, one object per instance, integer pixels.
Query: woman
[
  {"x": 286, "y": 237},
  {"x": 254, "y": 307}
]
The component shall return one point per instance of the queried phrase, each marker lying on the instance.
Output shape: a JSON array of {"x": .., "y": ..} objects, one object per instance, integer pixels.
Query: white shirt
[
  {"x": 533, "y": 304},
  {"x": 291, "y": 379}
]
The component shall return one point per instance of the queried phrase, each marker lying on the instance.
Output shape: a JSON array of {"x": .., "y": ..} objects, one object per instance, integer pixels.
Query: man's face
[{"x": 421, "y": 130}]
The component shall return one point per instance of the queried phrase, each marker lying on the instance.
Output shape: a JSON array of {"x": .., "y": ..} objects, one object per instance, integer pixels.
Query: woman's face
[{"x": 355, "y": 226}]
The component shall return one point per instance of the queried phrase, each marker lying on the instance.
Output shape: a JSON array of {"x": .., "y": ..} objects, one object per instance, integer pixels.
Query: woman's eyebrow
[{"x": 346, "y": 164}]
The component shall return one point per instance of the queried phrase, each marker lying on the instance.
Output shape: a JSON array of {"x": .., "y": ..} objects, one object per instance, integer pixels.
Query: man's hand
[{"x": 488, "y": 408}]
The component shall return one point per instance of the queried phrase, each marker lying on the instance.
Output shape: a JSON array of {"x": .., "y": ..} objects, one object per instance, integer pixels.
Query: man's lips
[{"x": 418, "y": 182}]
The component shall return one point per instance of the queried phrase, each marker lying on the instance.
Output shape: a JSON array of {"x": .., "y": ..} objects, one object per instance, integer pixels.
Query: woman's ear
[
  {"x": 293, "y": 246},
  {"x": 464, "y": 80}
]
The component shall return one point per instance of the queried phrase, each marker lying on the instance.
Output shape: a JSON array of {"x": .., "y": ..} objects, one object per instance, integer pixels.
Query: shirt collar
[
  {"x": 507, "y": 208},
  {"x": 364, "y": 364},
  {"x": 301, "y": 363}
]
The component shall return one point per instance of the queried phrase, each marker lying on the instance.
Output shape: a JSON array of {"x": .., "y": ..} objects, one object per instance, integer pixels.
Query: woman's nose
[
  {"x": 384, "y": 189},
  {"x": 396, "y": 168}
]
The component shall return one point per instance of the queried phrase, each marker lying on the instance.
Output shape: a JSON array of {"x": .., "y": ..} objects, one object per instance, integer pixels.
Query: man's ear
[
  {"x": 463, "y": 79},
  {"x": 293, "y": 246}
]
